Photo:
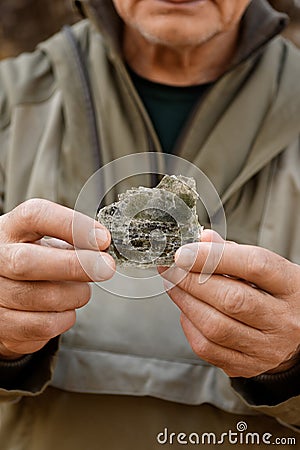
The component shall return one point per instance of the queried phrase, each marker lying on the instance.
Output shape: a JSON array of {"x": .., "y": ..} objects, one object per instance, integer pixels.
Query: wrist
[{"x": 269, "y": 389}]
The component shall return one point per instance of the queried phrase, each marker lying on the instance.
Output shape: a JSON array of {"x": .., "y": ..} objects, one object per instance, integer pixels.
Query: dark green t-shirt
[{"x": 168, "y": 107}]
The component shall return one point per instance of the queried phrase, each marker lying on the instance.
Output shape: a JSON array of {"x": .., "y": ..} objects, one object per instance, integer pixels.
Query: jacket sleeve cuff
[
  {"x": 277, "y": 395},
  {"x": 28, "y": 376}
]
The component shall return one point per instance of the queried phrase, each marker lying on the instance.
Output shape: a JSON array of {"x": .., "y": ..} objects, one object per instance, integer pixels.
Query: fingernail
[
  {"x": 98, "y": 237},
  {"x": 104, "y": 267},
  {"x": 185, "y": 257}
]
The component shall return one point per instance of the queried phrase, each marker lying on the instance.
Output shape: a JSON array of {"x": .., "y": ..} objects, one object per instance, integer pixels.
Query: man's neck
[{"x": 180, "y": 67}]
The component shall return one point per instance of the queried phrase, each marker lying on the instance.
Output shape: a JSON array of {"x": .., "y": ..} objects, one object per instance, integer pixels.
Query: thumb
[{"x": 36, "y": 218}]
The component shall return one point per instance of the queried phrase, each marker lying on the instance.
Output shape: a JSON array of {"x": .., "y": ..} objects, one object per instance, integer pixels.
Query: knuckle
[
  {"x": 259, "y": 262},
  {"x": 50, "y": 297},
  {"x": 21, "y": 295},
  {"x": 30, "y": 210},
  {"x": 215, "y": 331},
  {"x": 201, "y": 348},
  {"x": 188, "y": 282},
  {"x": 72, "y": 265},
  {"x": 40, "y": 328},
  {"x": 209, "y": 327},
  {"x": 55, "y": 297},
  {"x": 28, "y": 331},
  {"x": 234, "y": 301},
  {"x": 46, "y": 327},
  {"x": 291, "y": 272},
  {"x": 18, "y": 261},
  {"x": 185, "y": 283}
]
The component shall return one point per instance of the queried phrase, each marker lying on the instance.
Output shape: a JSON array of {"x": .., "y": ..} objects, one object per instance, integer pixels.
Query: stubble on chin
[{"x": 176, "y": 38}]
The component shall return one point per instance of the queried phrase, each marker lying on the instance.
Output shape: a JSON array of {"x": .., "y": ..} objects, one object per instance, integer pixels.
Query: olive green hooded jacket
[{"x": 51, "y": 137}]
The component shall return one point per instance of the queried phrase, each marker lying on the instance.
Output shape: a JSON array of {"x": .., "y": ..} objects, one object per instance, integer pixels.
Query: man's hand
[
  {"x": 245, "y": 318},
  {"x": 42, "y": 282}
]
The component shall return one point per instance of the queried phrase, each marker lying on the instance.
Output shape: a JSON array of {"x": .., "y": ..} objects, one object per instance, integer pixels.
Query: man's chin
[{"x": 178, "y": 38}]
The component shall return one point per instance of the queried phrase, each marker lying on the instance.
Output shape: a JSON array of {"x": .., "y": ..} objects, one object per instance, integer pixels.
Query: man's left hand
[{"x": 245, "y": 318}]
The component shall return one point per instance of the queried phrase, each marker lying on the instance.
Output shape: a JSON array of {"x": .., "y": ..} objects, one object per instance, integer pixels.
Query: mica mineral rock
[{"x": 148, "y": 225}]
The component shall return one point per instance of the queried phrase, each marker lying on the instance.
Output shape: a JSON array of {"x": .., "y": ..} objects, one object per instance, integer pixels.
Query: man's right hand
[{"x": 42, "y": 282}]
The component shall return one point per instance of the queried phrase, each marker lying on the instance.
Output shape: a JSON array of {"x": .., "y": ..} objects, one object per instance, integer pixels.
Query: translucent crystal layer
[{"x": 148, "y": 225}]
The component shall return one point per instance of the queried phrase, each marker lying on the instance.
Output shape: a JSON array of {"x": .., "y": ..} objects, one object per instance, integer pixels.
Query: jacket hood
[{"x": 259, "y": 25}]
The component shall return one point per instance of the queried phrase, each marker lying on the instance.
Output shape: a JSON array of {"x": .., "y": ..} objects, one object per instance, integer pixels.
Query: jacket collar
[
  {"x": 259, "y": 25},
  {"x": 103, "y": 15}
]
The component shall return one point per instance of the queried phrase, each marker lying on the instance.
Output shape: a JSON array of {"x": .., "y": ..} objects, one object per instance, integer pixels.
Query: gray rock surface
[{"x": 148, "y": 225}]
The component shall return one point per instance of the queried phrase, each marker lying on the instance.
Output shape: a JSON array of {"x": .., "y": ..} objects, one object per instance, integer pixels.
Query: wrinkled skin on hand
[
  {"x": 245, "y": 318},
  {"x": 41, "y": 280}
]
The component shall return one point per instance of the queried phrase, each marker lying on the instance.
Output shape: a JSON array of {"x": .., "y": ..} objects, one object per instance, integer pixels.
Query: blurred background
[{"x": 24, "y": 23}]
